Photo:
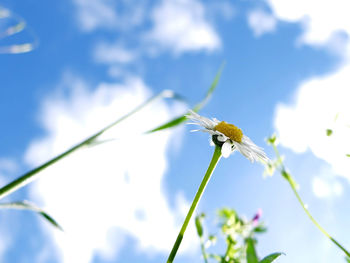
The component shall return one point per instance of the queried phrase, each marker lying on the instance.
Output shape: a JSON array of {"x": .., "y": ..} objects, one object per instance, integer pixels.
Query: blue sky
[{"x": 286, "y": 71}]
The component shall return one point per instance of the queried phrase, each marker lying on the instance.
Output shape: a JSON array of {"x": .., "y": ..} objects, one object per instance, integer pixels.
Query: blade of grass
[
  {"x": 13, "y": 29},
  {"x": 17, "y": 27},
  {"x": 270, "y": 258},
  {"x": 32, "y": 175},
  {"x": 180, "y": 119},
  {"x": 16, "y": 49},
  {"x": 25, "y": 205}
]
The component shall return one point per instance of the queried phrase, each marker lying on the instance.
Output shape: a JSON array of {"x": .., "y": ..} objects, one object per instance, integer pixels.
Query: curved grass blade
[
  {"x": 18, "y": 26},
  {"x": 13, "y": 29},
  {"x": 17, "y": 49},
  {"x": 25, "y": 205},
  {"x": 270, "y": 258},
  {"x": 32, "y": 175},
  {"x": 180, "y": 119}
]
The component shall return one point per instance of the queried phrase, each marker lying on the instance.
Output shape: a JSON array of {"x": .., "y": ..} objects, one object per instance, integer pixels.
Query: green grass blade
[
  {"x": 17, "y": 27},
  {"x": 13, "y": 29},
  {"x": 270, "y": 258},
  {"x": 180, "y": 119},
  {"x": 25, "y": 205},
  {"x": 212, "y": 88},
  {"x": 32, "y": 175},
  {"x": 170, "y": 124},
  {"x": 17, "y": 49}
]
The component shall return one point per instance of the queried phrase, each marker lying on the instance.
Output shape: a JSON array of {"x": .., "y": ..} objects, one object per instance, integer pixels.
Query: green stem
[
  {"x": 204, "y": 253},
  {"x": 229, "y": 246},
  {"x": 32, "y": 175},
  {"x": 292, "y": 184},
  {"x": 210, "y": 170}
]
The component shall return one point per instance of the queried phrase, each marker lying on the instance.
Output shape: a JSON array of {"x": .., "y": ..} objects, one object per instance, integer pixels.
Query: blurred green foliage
[{"x": 239, "y": 237}]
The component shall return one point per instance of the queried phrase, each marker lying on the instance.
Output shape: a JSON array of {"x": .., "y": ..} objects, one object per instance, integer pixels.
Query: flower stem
[
  {"x": 210, "y": 170},
  {"x": 32, "y": 174},
  {"x": 293, "y": 185},
  {"x": 204, "y": 253}
]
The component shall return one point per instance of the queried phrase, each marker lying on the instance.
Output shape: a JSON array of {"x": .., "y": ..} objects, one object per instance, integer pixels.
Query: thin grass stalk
[
  {"x": 33, "y": 174},
  {"x": 204, "y": 253}
]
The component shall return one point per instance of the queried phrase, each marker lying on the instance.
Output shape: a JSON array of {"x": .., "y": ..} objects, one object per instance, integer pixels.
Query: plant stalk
[
  {"x": 292, "y": 184},
  {"x": 210, "y": 170}
]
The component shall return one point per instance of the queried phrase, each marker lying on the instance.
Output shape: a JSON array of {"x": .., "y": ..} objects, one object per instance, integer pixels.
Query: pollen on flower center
[{"x": 230, "y": 131}]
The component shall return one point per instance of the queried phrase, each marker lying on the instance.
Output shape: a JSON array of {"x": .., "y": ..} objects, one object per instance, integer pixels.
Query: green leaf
[
  {"x": 290, "y": 179},
  {"x": 170, "y": 124},
  {"x": 272, "y": 139},
  {"x": 216, "y": 257},
  {"x": 348, "y": 155},
  {"x": 347, "y": 260},
  {"x": 180, "y": 119},
  {"x": 260, "y": 229},
  {"x": 25, "y": 205},
  {"x": 198, "y": 222},
  {"x": 270, "y": 258},
  {"x": 251, "y": 253},
  {"x": 329, "y": 132}
]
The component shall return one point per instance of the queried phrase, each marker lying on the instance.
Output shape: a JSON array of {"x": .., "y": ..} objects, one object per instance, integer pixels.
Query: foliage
[{"x": 239, "y": 236}]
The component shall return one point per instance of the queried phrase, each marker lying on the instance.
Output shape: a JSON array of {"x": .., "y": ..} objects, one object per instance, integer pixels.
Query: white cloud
[
  {"x": 5, "y": 239},
  {"x": 104, "y": 193},
  {"x": 93, "y": 14},
  {"x": 8, "y": 165},
  {"x": 261, "y": 22},
  {"x": 113, "y": 53},
  {"x": 180, "y": 25},
  {"x": 321, "y": 103},
  {"x": 322, "y": 20},
  {"x": 324, "y": 188},
  {"x": 223, "y": 9}
]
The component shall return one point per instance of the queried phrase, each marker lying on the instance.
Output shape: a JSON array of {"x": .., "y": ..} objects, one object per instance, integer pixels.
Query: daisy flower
[{"x": 229, "y": 137}]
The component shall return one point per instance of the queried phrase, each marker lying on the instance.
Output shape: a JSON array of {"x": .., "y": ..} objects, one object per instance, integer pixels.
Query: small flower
[
  {"x": 256, "y": 218},
  {"x": 229, "y": 138}
]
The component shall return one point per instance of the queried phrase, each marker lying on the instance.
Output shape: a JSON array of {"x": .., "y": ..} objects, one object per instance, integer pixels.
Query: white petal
[
  {"x": 251, "y": 151},
  {"x": 200, "y": 120},
  {"x": 226, "y": 149}
]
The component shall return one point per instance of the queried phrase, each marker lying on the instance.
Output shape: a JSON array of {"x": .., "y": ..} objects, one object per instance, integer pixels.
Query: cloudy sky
[{"x": 287, "y": 71}]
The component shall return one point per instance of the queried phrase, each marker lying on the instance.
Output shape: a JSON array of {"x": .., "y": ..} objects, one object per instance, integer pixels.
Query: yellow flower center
[{"x": 230, "y": 131}]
